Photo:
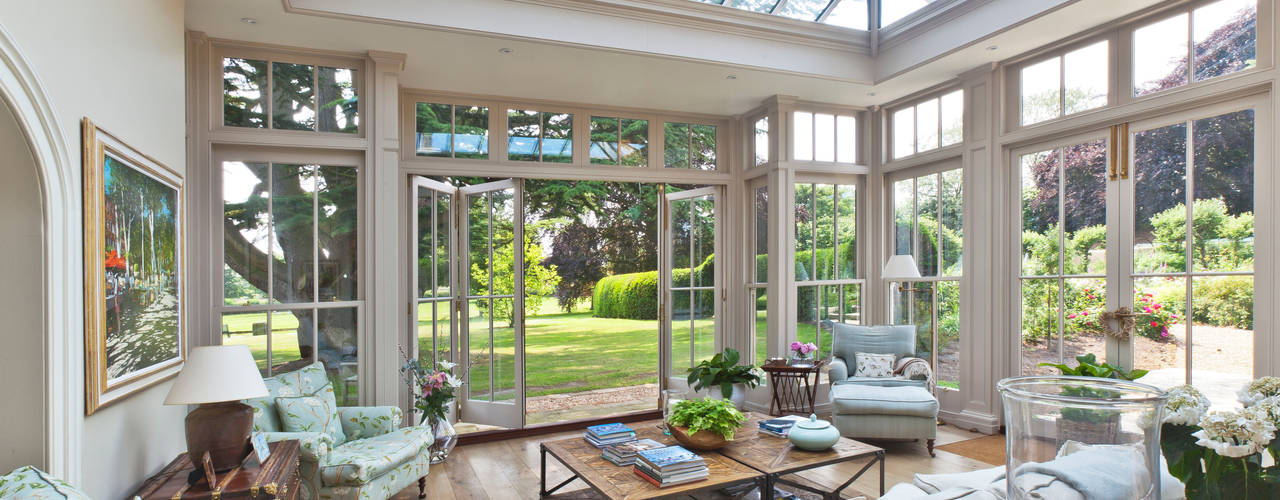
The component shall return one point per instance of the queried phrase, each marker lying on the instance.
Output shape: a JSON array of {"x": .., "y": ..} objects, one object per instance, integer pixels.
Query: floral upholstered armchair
[{"x": 368, "y": 456}]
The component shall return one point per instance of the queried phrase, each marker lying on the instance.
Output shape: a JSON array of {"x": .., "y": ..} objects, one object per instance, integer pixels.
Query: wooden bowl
[{"x": 701, "y": 440}]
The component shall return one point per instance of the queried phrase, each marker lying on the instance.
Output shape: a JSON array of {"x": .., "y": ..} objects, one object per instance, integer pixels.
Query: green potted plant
[
  {"x": 705, "y": 424},
  {"x": 724, "y": 372},
  {"x": 1089, "y": 425}
]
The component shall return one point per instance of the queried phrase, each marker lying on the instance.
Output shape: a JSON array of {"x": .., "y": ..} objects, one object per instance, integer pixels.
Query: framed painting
[{"x": 134, "y": 266}]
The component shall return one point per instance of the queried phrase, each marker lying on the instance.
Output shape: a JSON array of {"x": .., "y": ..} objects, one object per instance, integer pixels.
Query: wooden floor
[{"x": 509, "y": 469}]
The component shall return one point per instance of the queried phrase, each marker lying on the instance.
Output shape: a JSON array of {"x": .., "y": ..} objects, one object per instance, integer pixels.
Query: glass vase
[
  {"x": 1048, "y": 419},
  {"x": 446, "y": 438}
]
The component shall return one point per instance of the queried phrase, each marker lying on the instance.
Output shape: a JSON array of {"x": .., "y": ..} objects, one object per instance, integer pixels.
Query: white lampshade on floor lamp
[
  {"x": 217, "y": 378},
  {"x": 901, "y": 268}
]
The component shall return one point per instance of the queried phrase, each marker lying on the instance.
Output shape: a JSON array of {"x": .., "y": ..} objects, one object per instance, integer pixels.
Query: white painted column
[{"x": 383, "y": 313}]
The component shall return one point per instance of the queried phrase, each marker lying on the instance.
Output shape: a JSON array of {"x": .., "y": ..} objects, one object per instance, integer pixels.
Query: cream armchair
[{"x": 377, "y": 460}]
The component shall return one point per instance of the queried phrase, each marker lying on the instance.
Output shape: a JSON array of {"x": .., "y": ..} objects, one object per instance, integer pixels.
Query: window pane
[
  {"x": 339, "y": 351},
  {"x": 248, "y": 329},
  {"x": 435, "y": 129},
  {"x": 243, "y": 82},
  {"x": 807, "y": 313},
  {"x": 635, "y": 143},
  {"x": 1160, "y": 55},
  {"x": 948, "y": 348},
  {"x": 952, "y": 117},
  {"x": 339, "y": 107},
  {"x": 927, "y": 224},
  {"x": 435, "y": 331},
  {"x": 293, "y": 104},
  {"x": 1084, "y": 299},
  {"x": 851, "y": 308},
  {"x": 1162, "y": 348},
  {"x": 444, "y": 254},
  {"x": 894, "y": 10},
  {"x": 704, "y": 238},
  {"x": 1041, "y": 84},
  {"x": 762, "y": 141},
  {"x": 824, "y": 137},
  {"x": 1084, "y": 202},
  {"x": 904, "y": 132},
  {"x": 847, "y": 227},
  {"x": 804, "y": 246},
  {"x": 1041, "y": 332},
  {"x": 1040, "y": 229},
  {"x": 704, "y": 327},
  {"x": 760, "y": 322},
  {"x": 846, "y": 139},
  {"x": 557, "y": 138},
  {"x": 471, "y": 132},
  {"x": 704, "y": 147},
  {"x": 1160, "y": 190},
  {"x": 848, "y": 14},
  {"x": 762, "y": 6},
  {"x": 951, "y": 205},
  {"x": 1222, "y": 218},
  {"x": 927, "y": 125},
  {"x": 904, "y": 195},
  {"x": 1222, "y": 335},
  {"x": 426, "y": 238},
  {"x": 524, "y": 130},
  {"x": 292, "y": 340},
  {"x": 293, "y": 190},
  {"x": 682, "y": 236},
  {"x": 1225, "y": 36},
  {"x": 802, "y": 136},
  {"x": 761, "y": 229},
  {"x": 1085, "y": 78},
  {"x": 805, "y": 10},
  {"x": 246, "y": 232},
  {"x": 676, "y": 145},
  {"x": 824, "y": 235},
  {"x": 604, "y": 141},
  {"x": 338, "y": 192}
]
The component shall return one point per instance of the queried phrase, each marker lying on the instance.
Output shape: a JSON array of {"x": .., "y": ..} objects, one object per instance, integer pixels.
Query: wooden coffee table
[
  {"x": 616, "y": 482},
  {"x": 775, "y": 457}
]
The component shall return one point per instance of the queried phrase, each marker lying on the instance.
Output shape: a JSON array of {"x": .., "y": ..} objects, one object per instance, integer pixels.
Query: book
[
  {"x": 625, "y": 453},
  {"x": 671, "y": 480},
  {"x": 768, "y": 432},
  {"x": 670, "y": 458},
  {"x": 780, "y": 425},
  {"x": 604, "y": 430},
  {"x": 607, "y": 442}
]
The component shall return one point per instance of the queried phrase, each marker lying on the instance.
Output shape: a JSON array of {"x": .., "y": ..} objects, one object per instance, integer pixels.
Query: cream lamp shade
[
  {"x": 900, "y": 267},
  {"x": 215, "y": 374}
]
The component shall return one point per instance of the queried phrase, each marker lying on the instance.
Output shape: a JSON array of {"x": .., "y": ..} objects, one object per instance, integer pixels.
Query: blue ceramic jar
[{"x": 814, "y": 434}]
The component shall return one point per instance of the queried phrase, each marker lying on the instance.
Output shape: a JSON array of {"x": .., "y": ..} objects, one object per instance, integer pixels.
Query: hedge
[{"x": 635, "y": 295}]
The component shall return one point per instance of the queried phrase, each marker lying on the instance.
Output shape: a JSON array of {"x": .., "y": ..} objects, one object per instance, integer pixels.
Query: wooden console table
[
  {"x": 275, "y": 479},
  {"x": 793, "y": 392}
]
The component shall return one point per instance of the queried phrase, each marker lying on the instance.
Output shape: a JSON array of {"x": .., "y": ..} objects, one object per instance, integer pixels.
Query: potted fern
[{"x": 705, "y": 424}]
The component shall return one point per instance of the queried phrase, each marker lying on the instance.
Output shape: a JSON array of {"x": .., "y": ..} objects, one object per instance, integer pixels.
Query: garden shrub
[
  {"x": 635, "y": 295},
  {"x": 1224, "y": 301}
]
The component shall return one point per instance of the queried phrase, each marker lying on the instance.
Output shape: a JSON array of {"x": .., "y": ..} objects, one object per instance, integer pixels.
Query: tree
[
  {"x": 539, "y": 281},
  {"x": 576, "y": 257}
]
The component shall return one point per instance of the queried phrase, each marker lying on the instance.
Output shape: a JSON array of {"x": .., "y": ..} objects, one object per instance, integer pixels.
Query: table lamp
[{"x": 217, "y": 378}]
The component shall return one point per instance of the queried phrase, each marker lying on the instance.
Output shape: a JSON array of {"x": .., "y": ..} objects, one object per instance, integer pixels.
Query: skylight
[{"x": 851, "y": 14}]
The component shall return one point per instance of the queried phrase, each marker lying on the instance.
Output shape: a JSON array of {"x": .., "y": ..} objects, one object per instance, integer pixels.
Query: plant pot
[
  {"x": 701, "y": 440},
  {"x": 738, "y": 397}
]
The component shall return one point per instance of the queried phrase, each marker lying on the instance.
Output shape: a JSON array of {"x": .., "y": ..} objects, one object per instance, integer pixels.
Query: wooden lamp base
[{"x": 222, "y": 429}]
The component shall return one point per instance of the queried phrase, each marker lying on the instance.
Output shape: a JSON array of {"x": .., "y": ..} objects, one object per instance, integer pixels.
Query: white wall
[
  {"x": 20, "y": 305},
  {"x": 120, "y": 63}
]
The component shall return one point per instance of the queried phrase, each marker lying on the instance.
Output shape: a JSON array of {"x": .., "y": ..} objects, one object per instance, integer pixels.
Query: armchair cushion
[
  {"x": 838, "y": 371},
  {"x": 873, "y": 365},
  {"x": 848, "y": 340},
  {"x": 308, "y": 380},
  {"x": 33, "y": 483},
  {"x": 314, "y": 445},
  {"x": 314, "y": 413},
  {"x": 359, "y": 422},
  {"x": 357, "y": 462},
  {"x": 853, "y": 399}
]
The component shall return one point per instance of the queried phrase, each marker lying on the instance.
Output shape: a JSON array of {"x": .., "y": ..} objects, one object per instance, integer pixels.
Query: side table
[
  {"x": 277, "y": 478},
  {"x": 793, "y": 392}
]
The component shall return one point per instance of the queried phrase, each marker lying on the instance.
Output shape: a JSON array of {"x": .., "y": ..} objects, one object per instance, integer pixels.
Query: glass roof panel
[
  {"x": 804, "y": 10},
  {"x": 762, "y": 6},
  {"x": 893, "y": 10},
  {"x": 848, "y": 14}
]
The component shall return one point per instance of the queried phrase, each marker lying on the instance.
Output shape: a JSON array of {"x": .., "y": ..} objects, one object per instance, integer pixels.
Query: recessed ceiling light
[
  {"x": 992, "y": 48},
  {"x": 248, "y": 20},
  {"x": 731, "y": 77},
  {"x": 872, "y": 94},
  {"x": 505, "y": 50}
]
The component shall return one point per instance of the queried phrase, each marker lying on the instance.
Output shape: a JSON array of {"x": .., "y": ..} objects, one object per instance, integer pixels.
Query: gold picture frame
[{"x": 134, "y": 264}]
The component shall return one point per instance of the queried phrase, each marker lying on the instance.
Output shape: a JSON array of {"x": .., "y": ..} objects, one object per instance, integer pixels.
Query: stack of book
[
  {"x": 670, "y": 466},
  {"x": 779, "y": 427},
  {"x": 625, "y": 453},
  {"x": 606, "y": 435}
]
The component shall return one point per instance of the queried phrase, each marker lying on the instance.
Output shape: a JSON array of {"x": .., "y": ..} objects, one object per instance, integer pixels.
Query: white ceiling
[{"x": 614, "y": 61}]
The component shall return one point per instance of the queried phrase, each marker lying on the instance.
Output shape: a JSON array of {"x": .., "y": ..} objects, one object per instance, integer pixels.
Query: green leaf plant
[
  {"x": 723, "y": 370},
  {"x": 712, "y": 415}
]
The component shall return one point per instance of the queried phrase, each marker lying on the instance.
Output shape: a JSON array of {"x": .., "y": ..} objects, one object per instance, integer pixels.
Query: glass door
[
  {"x": 490, "y": 306},
  {"x": 690, "y": 297},
  {"x": 434, "y": 324}
]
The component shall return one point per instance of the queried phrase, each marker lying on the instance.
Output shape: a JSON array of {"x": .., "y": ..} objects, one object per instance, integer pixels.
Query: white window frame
[{"x": 933, "y": 95}]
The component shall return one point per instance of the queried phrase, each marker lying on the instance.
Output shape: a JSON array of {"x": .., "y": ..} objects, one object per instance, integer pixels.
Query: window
[
  {"x": 827, "y": 286},
  {"x": 689, "y": 146},
  {"x": 623, "y": 142},
  {"x": 539, "y": 136},
  {"x": 761, "y": 141},
  {"x": 301, "y": 96},
  {"x": 928, "y": 225},
  {"x": 928, "y": 125},
  {"x": 1066, "y": 84},
  {"x": 1218, "y": 38},
  {"x": 824, "y": 137},
  {"x": 449, "y": 131},
  {"x": 852, "y": 14},
  {"x": 291, "y": 254},
  {"x": 757, "y": 287}
]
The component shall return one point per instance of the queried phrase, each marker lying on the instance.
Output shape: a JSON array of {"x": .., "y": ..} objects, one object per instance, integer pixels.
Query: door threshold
[{"x": 552, "y": 428}]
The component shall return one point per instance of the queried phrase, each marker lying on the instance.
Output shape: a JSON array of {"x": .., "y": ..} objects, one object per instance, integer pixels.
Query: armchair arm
[
  {"x": 916, "y": 369},
  {"x": 359, "y": 422},
  {"x": 839, "y": 371},
  {"x": 314, "y": 445}
]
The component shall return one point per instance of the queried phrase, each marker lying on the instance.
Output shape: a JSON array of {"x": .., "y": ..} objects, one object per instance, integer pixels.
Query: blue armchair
[
  {"x": 377, "y": 460},
  {"x": 899, "y": 340},
  {"x": 898, "y": 406}
]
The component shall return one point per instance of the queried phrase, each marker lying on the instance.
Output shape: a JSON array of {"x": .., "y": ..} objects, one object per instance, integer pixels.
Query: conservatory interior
[{"x": 565, "y": 206}]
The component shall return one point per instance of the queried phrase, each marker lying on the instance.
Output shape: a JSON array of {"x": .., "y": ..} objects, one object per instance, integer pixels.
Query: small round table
[{"x": 793, "y": 393}]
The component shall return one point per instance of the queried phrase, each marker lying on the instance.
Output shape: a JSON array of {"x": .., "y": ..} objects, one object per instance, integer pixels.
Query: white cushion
[
  {"x": 874, "y": 365},
  {"x": 977, "y": 479}
]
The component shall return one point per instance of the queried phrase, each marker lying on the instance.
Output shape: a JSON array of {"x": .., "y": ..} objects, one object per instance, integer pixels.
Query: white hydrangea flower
[
  {"x": 1258, "y": 390},
  {"x": 1186, "y": 406},
  {"x": 1235, "y": 434}
]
